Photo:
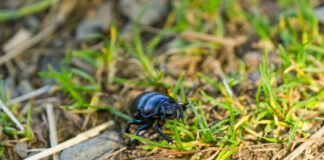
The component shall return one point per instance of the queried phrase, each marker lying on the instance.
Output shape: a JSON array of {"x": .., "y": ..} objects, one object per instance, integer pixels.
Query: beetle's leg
[
  {"x": 145, "y": 126},
  {"x": 159, "y": 129},
  {"x": 181, "y": 114},
  {"x": 162, "y": 111},
  {"x": 133, "y": 122}
]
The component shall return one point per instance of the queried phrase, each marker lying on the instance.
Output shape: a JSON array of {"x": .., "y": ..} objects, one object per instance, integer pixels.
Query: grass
[
  {"x": 272, "y": 109},
  {"x": 6, "y": 14},
  {"x": 151, "y": 75},
  {"x": 160, "y": 144},
  {"x": 277, "y": 111},
  {"x": 6, "y": 125}
]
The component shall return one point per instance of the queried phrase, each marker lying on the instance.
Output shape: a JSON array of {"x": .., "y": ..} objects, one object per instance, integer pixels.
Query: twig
[
  {"x": 265, "y": 149},
  {"x": 76, "y": 140},
  {"x": 229, "y": 42},
  {"x": 12, "y": 117},
  {"x": 36, "y": 149},
  {"x": 310, "y": 140},
  {"x": 223, "y": 77},
  {"x": 213, "y": 156},
  {"x": 230, "y": 92},
  {"x": 29, "y": 43},
  {"x": 316, "y": 62},
  {"x": 52, "y": 127},
  {"x": 113, "y": 154},
  {"x": 302, "y": 147},
  {"x": 29, "y": 95}
]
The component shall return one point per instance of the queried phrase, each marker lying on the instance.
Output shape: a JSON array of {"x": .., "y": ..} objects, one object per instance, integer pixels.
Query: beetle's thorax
[{"x": 168, "y": 110}]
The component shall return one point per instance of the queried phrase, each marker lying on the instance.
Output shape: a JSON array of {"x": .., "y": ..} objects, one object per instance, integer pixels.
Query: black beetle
[{"x": 149, "y": 107}]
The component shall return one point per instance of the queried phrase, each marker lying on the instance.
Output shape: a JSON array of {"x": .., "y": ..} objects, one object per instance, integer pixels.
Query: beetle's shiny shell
[{"x": 149, "y": 103}]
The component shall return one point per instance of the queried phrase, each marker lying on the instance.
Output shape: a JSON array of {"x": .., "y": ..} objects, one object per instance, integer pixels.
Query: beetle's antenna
[{"x": 184, "y": 105}]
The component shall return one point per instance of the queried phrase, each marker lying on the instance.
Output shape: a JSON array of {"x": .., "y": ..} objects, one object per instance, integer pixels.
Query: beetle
[{"x": 149, "y": 107}]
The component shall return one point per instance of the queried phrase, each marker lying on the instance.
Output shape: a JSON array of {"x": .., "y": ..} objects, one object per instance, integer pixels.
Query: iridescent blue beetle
[{"x": 149, "y": 107}]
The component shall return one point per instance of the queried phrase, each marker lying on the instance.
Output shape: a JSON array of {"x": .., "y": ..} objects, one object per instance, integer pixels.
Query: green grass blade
[
  {"x": 83, "y": 75},
  {"x": 178, "y": 85},
  {"x": 272, "y": 100},
  {"x": 224, "y": 154},
  {"x": 153, "y": 43},
  {"x": 113, "y": 111},
  {"x": 28, "y": 133},
  {"x": 220, "y": 104},
  {"x": 177, "y": 135},
  {"x": 26, "y": 10},
  {"x": 294, "y": 129},
  {"x": 232, "y": 120},
  {"x": 149, "y": 141},
  {"x": 214, "y": 83},
  {"x": 2, "y": 94},
  {"x": 257, "y": 96},
  {"x": 205, "y": 130},
  {"x": 315, "y": 118},
  {"x": 191, "y": 136}
]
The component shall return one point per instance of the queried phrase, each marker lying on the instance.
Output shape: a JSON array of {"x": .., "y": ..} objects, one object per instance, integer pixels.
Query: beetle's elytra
[{"x": 150, "y": 107}]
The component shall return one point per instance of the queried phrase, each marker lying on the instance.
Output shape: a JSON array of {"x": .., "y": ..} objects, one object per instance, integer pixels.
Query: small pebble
[
  {"x": 54, "y": 61},
  {"x": 132, "y": 8},
  {"x": 24, "y": 87},
  {"x": 100, "y": 21},
  {"x": 319, "y": 12},
  {"x": 32, "y": 23},
  {"x": 21, "y": 149},
  {"x": 94, "y": 148},
  {"x": 252, "y": 58},
  {"x": 8, "y": 87},
  {"x": 254, "y": 76}
]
